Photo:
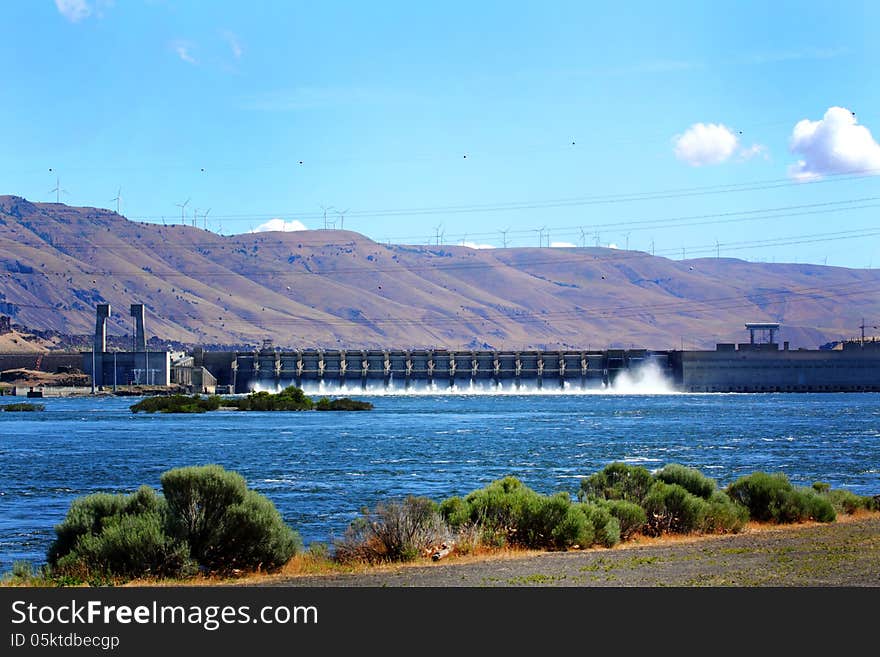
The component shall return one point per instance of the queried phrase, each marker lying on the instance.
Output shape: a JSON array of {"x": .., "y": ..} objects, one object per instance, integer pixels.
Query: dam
[{"x": 437, "y": 369}]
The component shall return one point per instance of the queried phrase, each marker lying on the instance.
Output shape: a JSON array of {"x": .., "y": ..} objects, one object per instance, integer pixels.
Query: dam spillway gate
[{"x": 438, "y": 369}]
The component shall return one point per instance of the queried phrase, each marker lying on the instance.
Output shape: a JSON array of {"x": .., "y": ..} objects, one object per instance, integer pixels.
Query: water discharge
[{"x": 647, "y": 379}]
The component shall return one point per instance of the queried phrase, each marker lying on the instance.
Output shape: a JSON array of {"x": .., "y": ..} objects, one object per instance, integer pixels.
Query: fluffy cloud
[
  {"x": 834, "y": 144},
  {"x": 278, "y": 224},
  {"x": 705, "y": 143},
  {"x": 74, "y": 10},
  {"x": 562, "y": 245},
  {"x": 474, "y": 245}
]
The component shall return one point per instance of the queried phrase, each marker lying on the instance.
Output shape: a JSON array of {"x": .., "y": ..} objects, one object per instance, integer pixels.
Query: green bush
[
  {"x": 128, "y": 546},
  {"x": 206, "y": 519},
  {"x": 772, "y": 498},
  {"x": 177, "y": 404},
  {"x": 289, "y": 399},
  {"x": 845, "y": 501},
  {"x": 343, "y": 404},
  {"x": 23, "y": 406},
  {"x": 630, "y": 517},
  {"x": 606, "y": 527},
  {"x": 672, "y": 509},
  {"x": 723, "y": 515},
  {"x": 394, "y": 531},
  {"x": 117, "y": 536},
  {"x": 691, "y": 479},
  {"x": 226, "y": 526},
  {"x": 456, "y": 512},
  {"x": 617, "y": 481},
  {"x": 552, "y": 522}
]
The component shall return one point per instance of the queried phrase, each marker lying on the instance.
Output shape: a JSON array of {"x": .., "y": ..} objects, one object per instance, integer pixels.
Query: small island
[
  {"x": 289, "y": 399},
  {"x": 22, "y": 407}
]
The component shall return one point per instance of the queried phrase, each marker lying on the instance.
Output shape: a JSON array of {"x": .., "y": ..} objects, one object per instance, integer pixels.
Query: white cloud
[
  {"x": 755, "y": 150},
  {"x": 77, "y": 10},
  {"x": 705, "y": 143},
  {"x": 234, "y": 43},
  {"x": 613, "y": 246},
  {"x": 713, "y": 143},
  {"x": 74, "y": 10},
  {"x": 834, "y": 144},
  {"x": 184, "y": 50},
  {"x": 474, "y": 245},
  {"x": 279, "y": 224},
  {"x": 562, "y": 245}
]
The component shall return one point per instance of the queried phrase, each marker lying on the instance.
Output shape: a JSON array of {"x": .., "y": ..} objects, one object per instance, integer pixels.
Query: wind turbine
[
  {"x": 504, "y": 236},
  {"x": 57, "y": 190},
  {"x": 182, "y": 206},
  {"x": 195, "y": 217},
  {"x": 342, "y": 218},
  {"x": 118, "y": 199},
  {"x": 329, "y": 207},
  {"x": 205, "y": 218},
  {"x": 583, "y": 237}
]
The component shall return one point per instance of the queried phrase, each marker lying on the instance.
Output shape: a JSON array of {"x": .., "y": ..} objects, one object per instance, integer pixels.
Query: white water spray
[{"x": 647, "y": 379}]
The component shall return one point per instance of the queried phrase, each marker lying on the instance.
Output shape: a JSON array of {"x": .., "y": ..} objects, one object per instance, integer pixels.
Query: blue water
[{"x": 321, "y": 468}]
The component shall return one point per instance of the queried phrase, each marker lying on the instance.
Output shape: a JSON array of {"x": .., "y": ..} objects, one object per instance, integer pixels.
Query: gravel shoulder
[{"x": 845, "y": 553}]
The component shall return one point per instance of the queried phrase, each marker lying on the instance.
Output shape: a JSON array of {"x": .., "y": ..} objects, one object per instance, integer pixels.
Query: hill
[{"x": 335, "y": 288}]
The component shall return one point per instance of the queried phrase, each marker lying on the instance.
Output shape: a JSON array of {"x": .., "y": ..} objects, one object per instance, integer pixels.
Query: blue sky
[{"x": 672, "y": 125}]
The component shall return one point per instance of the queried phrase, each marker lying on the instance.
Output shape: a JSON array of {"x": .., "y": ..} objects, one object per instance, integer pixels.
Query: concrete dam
[
  {"x": 437, "y": 369},
  {"x": 748, "y": 367}
]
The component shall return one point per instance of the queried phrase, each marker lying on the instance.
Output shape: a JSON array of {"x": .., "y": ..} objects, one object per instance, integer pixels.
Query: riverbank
[{"x": 844, "y": 553}]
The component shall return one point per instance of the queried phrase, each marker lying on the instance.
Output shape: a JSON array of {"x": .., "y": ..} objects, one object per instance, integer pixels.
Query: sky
[{"x": 704, "y": 129}]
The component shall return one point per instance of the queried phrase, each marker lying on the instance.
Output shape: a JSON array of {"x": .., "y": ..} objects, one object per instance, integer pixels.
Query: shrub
[
  {"x": 630, "y": 517},
  {"x": 112, "y": 536},
  {"x": 821, "y": 487},
  {"x": 289, "y": 399},
  {"x": 671, "y": 508},
  {"x": 691, "y": 479},
  {"x": 226, "y": 525},
  {"x": 845, "y": 501},
  {"x": 498, "y": 508},
  {"x": 177, "y": 404},
  {"x": 455, "y": 511},
  {"x": 617, "y": 481},
  {"x": 552, "y": 522},
  {"x": 23, "y": 406},
  {"x": 723, "y": 515},
  {"x": 394, "y": 531},
  {"x": 771, "y": 497},
  {"x": 128, "y": 546},
  {"x": 343, "y": 404},
  {"x": 606, "y": 527}
]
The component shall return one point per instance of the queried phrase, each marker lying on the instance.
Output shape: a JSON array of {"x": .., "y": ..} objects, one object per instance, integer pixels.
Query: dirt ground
[{"x": 841, "y": 554}]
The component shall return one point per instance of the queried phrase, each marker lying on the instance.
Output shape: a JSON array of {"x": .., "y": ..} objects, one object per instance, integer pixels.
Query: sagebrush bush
[
  {"x": 207, "y": 519},
  {"x": 617, "y": 481},
  {"x": 394, "y": 531},
  {"x": 289, "y": 399},
  {"x": 772, "y": 498},
  {"x": 672, "y": 509},
  {"x": 606, "y": 527},
  {"x": 226, "y": 525},
  {"x": 118, "y": 536},
  {"x": 177, "y": 404},
  {"x": 691, "y": 479},
  {"x": 551, "y": 522},
  {"x": 845, "y": 501},
  {"x": 723, "y": 515},
  {"x": 630, "y": 517}
]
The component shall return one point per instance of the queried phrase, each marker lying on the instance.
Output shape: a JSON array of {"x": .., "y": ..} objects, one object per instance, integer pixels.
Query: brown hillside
[{"x": 339, "y": 288}]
